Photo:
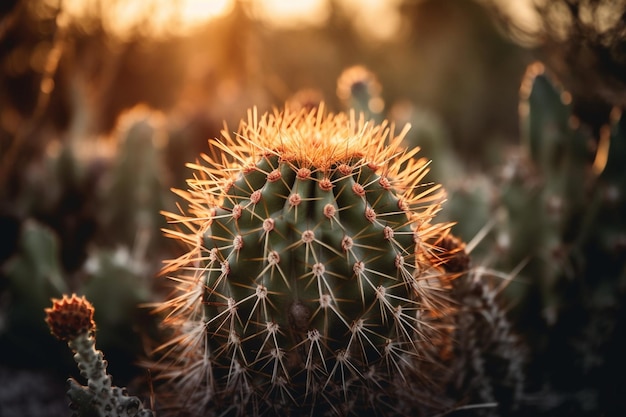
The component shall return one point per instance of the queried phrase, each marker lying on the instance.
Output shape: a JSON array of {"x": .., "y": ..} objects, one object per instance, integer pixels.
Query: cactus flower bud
[{"x": 70, "y": 317}]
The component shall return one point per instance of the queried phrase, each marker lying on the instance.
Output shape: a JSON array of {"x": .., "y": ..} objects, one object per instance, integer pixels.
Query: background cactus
[
  {"x": 358, "y": 88},
  {"x": 313, "y": 281},
  {"x": 132, "y": 191},
  {"x": 34, "y": 276},
  {"x": 554, "y": 225},
  {"x": 87, "y": 223},
  {"x": 561, "y": 210}
]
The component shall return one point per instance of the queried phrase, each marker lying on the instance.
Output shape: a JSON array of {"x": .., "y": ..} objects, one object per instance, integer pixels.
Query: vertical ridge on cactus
[{"x": 311, "y": 284}]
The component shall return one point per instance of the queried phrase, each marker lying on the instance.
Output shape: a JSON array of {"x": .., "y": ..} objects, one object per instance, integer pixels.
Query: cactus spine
[{"x": 313, "y": 282}]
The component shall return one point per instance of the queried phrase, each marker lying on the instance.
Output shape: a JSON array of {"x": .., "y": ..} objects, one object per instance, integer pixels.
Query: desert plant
[
  {"x": 564, "y": 210},
  {"x": 71, "y": 320},
  {"x": 556, "y": 218},
  {"x": 314, "y": 281},
  {"x": 133, "y": 189},
  {"x": 358, "y": 88}
]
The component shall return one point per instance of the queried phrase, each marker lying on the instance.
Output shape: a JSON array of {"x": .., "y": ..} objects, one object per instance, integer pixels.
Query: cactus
[
  {"x": 118, "y": 283},
  {"x": 77, "y": 203},
  {"x": 358, "y": 88},
  {"x": 314, "y": 283},
  {"x": 71, "y": 320},
  {"x": 490, "y": 358},
  {"x": 32, "y": 277},
  {"x": 557, "y": 218},
  {"x": 132, "y": 192}
]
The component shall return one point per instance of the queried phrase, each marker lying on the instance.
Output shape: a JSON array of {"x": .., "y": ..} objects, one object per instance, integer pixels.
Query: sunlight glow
[
  {"x": 524, "y": 15},
  {"x": 375, "y": 19},
  {"x": 291, "y": 13},
  {"x": 149, "y": 17},
  {"x": 197, "y": 12}
]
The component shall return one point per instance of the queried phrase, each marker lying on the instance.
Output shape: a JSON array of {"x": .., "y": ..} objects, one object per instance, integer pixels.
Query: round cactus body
[{"x": 311, "y": 285}]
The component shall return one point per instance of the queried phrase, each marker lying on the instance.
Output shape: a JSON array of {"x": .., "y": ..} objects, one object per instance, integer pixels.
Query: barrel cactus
[{"x": 314, "y": 281}]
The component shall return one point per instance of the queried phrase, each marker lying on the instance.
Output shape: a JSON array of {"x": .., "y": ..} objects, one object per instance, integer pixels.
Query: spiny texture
[
  {"x": 313, "y": 283},
  {"x": 71, "y": 319},
  {"x": 564, "y": 204},
  {"x": 489, "y": 358}
]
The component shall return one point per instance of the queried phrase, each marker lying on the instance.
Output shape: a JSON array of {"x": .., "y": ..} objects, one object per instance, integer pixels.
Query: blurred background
[{"x": 103, "y": 102}]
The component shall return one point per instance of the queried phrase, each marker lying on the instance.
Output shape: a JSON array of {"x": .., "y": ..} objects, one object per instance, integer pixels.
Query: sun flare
[{"x": 150, "y": 17}]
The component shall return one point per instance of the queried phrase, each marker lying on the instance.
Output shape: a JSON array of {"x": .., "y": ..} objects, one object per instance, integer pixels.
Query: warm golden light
[
  {"x": 602, "y": 152},
  {"x": 524, "y": 15},
  {"x": 196, "y": 12},
  {"x": 291, "y": 13},
  {"x": 375, "y": 19},
  {"x": 149, "y": 17}
]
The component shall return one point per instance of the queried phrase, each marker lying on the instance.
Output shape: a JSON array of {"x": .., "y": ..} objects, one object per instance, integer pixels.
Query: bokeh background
[{"x": 103, "y": 102}]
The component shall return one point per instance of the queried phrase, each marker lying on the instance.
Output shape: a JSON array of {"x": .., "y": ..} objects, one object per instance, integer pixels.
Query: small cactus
[
  {"x": 314, "y": 282},
  {"x": 132, "y": 190},
  {"x": 358, "y": 88},
  {"x": 71, "y": 320}
]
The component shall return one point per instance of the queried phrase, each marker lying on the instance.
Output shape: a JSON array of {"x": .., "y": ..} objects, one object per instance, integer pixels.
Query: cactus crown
[
  {"x": 315, "y": 141},
  {"x": 312, "y": 279}
]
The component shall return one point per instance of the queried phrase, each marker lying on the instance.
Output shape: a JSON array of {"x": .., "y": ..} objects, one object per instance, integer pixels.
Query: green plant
[
  {"x": 133, "y": 191},
  {"x": 358, "y": 88},
  {"x": 71, "y": 319},
  {"x": 87, "y": 216},
  {"x": 33, "y": 275},
  {"x": 565, "y": 204},
  {"x": 314, "y": 282}
]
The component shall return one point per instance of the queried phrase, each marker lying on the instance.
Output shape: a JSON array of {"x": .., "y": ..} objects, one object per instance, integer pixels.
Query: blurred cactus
[
  {"x": 70, "y": 319},
  {"x": 550, "y": 181},
  {"x": 133, "y": 189},
  {"x": 77, "y": 206},
  {"x": 59, "y": 190},
  {"x": 315, "y": 280},
  {"x": 557, "y": 212},
  {"x": 471, "y": 199},
  {"x": 33, "y": 277},
  {"x": 119, "y": 282},
  {"x": 358, "y": 88},
  {"x": 558, "y": 179}
]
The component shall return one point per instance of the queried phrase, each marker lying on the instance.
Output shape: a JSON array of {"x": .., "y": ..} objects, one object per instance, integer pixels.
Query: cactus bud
[{"x": 70, "y": 317}]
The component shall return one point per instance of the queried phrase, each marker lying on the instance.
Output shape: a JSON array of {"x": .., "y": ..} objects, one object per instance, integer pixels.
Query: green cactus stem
[
  {"x": 358, "y": 88},
  {"x": 313, "y": 284},
  {"x": 71, "y": 319}
]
